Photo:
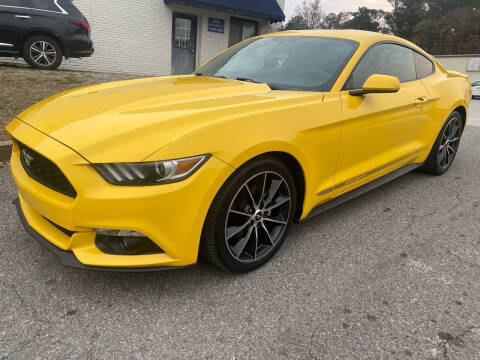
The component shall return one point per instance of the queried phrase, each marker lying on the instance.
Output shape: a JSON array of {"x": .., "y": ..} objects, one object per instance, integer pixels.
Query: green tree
[
  {"x": 437, "y": 8},
  {"x": 405, "y": 16},
  {"x": 365, "y": 19},
  {"x": 335, "y": 21},
  {"x": 455, "y": 32},
  {"x": 296, "y": 23}
]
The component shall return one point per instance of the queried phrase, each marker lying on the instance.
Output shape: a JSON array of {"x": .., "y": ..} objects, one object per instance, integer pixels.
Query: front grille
[{"x": 44, "y": 171}]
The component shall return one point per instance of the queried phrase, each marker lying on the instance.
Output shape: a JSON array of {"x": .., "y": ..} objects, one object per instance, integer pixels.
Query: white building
[
  {"x": 466, "y": 64},
  {"x": 163, "y": 37}
]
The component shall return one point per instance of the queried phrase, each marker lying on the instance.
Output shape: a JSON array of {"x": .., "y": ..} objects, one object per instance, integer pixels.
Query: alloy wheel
[
  {"x": 449, "y": 142},
  {"x": 258, "y": 216},
  {"x": 43, "y": 53}
]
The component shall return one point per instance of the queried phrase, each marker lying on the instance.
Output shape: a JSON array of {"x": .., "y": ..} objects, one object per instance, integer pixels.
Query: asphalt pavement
[{"x": 393, "y": 274}]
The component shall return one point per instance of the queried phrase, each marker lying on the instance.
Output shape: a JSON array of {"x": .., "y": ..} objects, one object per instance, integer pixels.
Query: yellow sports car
[{"x": 149, "y": 174}]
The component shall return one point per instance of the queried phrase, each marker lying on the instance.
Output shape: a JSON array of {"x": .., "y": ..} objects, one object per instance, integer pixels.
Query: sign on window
[{"x": 216, "y": 25}]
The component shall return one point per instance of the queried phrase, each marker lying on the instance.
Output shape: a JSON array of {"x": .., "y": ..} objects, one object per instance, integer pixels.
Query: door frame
[
  {"x": 194, "y": 19},
  {"x": 236, "y": 18}
]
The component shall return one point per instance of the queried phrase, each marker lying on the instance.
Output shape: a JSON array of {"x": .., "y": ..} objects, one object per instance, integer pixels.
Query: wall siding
[
  {"x": 130, "y": 36},
  {"x": 135, "y": 36},
  {"x": 145, "y": 49},
  {"x": 459, "y": 63}
]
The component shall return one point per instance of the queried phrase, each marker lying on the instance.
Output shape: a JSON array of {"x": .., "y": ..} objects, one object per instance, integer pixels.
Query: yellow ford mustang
[{"x": 148, "y": 174}]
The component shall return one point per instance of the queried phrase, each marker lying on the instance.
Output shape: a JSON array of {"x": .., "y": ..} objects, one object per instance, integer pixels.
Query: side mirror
[{"x": 378, "y": 84}]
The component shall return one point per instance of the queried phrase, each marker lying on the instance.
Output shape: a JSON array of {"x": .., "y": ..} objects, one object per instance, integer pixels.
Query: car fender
[{"x": 236, "y": 155}]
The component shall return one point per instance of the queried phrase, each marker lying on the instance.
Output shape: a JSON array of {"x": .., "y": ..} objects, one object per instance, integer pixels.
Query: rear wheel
[
  {"x": 42, "y": 52},
  {"x": 446, "y": 146},
  {"x": 250, "y": 216}
]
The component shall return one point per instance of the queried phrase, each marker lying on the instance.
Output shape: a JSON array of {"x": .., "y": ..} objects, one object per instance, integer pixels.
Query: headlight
[{"x": 150, "y": 173}]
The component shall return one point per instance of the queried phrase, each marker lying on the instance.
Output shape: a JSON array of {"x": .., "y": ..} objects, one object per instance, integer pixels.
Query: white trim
[
  {"x": 6, "y": 44},
  {"x": 62, "y": 10},
  {"x": 5, "y": 143}
]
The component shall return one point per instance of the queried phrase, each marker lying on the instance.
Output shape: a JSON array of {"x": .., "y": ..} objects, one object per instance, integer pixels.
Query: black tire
[
  {"x": 267, "y": 171},
  {"x": 436, "y": 163},
  {"x": 42, "y": 52}
]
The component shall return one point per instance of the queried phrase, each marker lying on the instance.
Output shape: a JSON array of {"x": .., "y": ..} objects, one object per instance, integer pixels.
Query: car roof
[{"x": 349, "y": 34}]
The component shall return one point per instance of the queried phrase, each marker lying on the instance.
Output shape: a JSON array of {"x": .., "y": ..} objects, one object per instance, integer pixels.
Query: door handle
[
  {"x": 22, "y": 17},
  {"x": 421, "y": 101}
]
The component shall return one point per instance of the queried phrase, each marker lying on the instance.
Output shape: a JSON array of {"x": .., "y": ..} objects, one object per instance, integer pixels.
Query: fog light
[
  {"x": 110, "y": 232},
  {"x": 125, "y": 242}
]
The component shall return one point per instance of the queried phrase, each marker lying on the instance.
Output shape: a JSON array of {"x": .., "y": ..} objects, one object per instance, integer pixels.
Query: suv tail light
[{"x": 82, "y": 24}]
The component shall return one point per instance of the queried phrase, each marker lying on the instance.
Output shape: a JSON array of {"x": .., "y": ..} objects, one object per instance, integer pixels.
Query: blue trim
[{"x": 264, "y": 9}]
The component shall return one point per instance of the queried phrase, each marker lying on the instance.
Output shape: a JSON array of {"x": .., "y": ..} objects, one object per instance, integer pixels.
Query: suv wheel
[{"x": 42, "y": 52}]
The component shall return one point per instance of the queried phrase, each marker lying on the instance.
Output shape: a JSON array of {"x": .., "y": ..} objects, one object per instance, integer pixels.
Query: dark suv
[{"x": 43, "y": 32}]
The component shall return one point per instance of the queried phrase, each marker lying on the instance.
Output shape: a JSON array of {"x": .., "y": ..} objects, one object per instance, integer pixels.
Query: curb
[{"x": 5, "y": 150}]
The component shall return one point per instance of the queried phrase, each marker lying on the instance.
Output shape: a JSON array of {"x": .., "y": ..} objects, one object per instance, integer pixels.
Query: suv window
[
  {"x": 45, "y": 5},
  {"x": 423, "y": 65},
  {"x": 384, "y": 59},
  {"x": 17, "y": 3}
]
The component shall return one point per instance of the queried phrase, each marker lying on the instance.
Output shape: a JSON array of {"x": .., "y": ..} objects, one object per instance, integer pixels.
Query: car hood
[{"x": 129, "y": 120}]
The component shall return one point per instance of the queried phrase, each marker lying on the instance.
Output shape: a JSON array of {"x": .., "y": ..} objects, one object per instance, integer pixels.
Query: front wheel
[
  {"x": 446, "y": 146},
  {"x": 250, "y": 216},
  {"x": 42, "y": 52}
]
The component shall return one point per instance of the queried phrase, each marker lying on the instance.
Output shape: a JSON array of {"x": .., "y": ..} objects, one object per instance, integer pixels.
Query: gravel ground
[
  {"x": 393, "y": 274},
  {"x": 22, "y": 86}
]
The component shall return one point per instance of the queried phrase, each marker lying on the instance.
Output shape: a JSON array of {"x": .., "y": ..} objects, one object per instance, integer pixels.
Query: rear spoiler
[{"x": 454, "y": 74}]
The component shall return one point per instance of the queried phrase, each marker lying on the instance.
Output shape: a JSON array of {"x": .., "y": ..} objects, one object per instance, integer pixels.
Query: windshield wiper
[{"x": 247, "y": 79}]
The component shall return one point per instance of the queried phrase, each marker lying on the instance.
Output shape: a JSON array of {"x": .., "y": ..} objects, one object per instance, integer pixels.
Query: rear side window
[
  {"x": 423, "y": 65},
  {"x": 384, "y": 59},
  {"x": 45, "y": 5}
]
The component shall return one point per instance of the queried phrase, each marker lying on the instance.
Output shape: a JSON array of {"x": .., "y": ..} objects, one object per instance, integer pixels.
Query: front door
[
  {"x": 381, "y": 132},
  {"x": 184, "y": 43}
]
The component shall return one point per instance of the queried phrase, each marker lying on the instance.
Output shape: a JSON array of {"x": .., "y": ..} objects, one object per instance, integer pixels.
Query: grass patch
[
  {"x": 69, "y": 80},
  {"x": 21, "y": 87}
]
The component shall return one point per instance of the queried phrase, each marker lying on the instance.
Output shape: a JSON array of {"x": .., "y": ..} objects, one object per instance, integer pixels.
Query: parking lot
[{"x": 393, "y": 274}]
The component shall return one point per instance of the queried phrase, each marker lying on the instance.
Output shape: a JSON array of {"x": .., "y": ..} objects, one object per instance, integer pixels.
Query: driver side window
[{"x": 384, "y": 59}]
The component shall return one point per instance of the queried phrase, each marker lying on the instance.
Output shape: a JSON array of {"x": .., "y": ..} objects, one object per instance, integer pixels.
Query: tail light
[{"x": 83, "y": 24}]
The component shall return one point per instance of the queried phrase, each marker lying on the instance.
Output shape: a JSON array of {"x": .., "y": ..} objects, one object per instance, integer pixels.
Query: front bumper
[
  {"x": 67, "y": 258},
  {"x": 171, "y": 215}
]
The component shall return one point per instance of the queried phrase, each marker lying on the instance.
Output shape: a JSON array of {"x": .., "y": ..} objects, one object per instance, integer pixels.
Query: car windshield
[{"x": 284, "y": 62}]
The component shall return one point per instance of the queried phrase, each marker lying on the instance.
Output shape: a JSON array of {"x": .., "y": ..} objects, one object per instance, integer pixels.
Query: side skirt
[{"x": 361, "y": 190}]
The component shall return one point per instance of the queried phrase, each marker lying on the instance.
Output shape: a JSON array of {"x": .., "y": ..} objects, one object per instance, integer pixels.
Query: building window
[
  {"x": 182, "y": 32},
  {"x": 241, "y": 29}
]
